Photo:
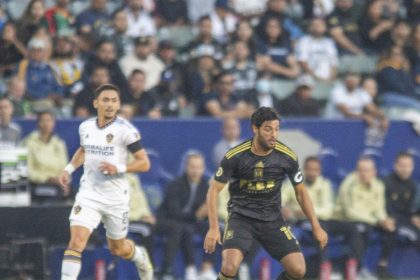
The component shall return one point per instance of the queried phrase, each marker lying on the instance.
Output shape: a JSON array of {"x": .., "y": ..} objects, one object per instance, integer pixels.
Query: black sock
[{"x": 285, "y": 276}]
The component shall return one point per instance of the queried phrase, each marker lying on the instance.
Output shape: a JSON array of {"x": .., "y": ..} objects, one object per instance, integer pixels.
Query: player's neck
[
  {"x": 256, "y": 149},
  {"x": 102, "y": 122}
]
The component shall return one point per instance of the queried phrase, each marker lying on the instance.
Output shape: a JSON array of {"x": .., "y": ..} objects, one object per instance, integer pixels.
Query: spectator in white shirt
[
  {"x": 143, "y": 59},
  {"x": 140, "y": 23},
  {"x": 317, "y": 53},
  {"x": 223, "y": 21},
  {"x": 352, "y": 101}
]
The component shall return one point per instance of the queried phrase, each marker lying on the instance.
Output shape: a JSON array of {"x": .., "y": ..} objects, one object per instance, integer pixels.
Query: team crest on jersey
[
  {"x": 77, "y": 209},
  {"x": 229, "y": 234},
  {"x": 109, "y": 138}
]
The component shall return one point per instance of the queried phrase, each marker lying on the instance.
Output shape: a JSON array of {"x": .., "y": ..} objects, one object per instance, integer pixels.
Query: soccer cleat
[{"x": 143, "y": 264}]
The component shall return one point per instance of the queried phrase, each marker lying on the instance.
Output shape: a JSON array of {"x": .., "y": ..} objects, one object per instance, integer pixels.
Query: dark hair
[
  {"x": 403, "y": 154},
  {"x": 219, "y": 76},
  {"x": 203, "y": 18},
  {"x": 136, "y": 72},
  {"x": 312, "y": 158},
  {"x": 263, "y": 114},
  {"x": 105, "y": 87},
  {"x": 117, "y": 11},
  {"x": 101, "y": 42},
  {"x": 47, "y": 112}
]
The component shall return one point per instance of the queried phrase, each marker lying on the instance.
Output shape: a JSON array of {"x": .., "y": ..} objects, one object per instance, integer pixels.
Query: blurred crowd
[{"x": 186, "y": 58}]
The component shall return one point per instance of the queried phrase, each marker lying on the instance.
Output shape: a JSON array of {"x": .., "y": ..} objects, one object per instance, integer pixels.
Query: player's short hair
[
  {"x": 263, "y": 114},
  {"x": 105, "y": 87}
]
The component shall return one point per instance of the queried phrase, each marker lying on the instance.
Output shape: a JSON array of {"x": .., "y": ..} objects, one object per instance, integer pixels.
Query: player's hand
[
  {"x": 108, "y": 169},
  {"x": 64, "y": 181},
  {"x": 212, "y": 236},
  {"x": 321, "y": 236}
]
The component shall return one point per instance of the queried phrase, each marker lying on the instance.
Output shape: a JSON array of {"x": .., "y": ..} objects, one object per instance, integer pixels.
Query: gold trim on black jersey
[
  {"x": 286, "y": 150},
  {"x": 240, "y": 148}
]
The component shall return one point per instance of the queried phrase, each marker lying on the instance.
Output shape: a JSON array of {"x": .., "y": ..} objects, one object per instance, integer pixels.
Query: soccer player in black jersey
[{"x": 255, "y": 170}]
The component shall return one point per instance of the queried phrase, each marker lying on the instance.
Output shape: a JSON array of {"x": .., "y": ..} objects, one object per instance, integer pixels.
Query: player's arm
[
  {"x": 305, "y": 203},
  {"x": 141, "y": 162},
  {"x": 213, "y": 235},
  {"x": 77, "y": 160}
]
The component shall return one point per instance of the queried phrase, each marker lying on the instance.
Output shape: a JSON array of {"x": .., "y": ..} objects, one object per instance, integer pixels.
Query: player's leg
[
  {"x": 237, "y": 241},
  {"x": 83, "y": 220},
  {"x": 115, "y": 221},
  {"x": 294, "y": 266},
  {"x": 126, "y": 249}
]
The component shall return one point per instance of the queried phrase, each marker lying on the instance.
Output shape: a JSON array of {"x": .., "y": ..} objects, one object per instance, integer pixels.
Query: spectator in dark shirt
[
  {"x": 396, "y": 87},
  {"x": 172, "y": 12},
  {"x": 83, "y": 105},
  {"x": 12, "y": 50},
  {"x": 31, "y": 21},
  {"x": 344, "y": 28},
  {"x": 400, "y": 191},
  {"x": 140, "y": 100},
  {"x": 376, "y": 25},
  {"x": 245, "y": 33},
  {"x": 275, "y": 45},
  {"x": 263, "y": 95},
  {"x": 182, "y": 214},
  {"x": 105, "y": 55},
  {"x": 300, "y": 103},
  {"x": 93, "y": 18}
]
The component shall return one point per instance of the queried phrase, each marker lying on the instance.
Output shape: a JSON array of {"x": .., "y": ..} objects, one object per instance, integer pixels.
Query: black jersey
[{"x": 255, "y": 181}]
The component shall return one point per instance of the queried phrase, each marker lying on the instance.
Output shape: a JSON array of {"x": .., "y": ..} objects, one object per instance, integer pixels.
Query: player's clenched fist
[
  {"x": 212, "y": 236},
  {"x": 321, "y": 236}
]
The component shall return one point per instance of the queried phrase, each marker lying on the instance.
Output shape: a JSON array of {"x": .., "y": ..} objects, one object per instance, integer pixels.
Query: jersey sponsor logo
[
  {"x": 109, "y": 138},
  {"x": 219, "y": 172},
  {"x": 251, "y": 186},
  {"x": 298, "y": 177},
  {"x": 77, "y": 209},
  {"x": 99, "y": 150}
]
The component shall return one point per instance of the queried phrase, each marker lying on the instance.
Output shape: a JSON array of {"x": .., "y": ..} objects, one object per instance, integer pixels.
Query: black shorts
[{"x": 275, "y": 236}]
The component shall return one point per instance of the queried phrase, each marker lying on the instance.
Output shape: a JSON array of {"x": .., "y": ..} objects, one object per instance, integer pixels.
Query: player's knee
[
  {"x": 298, "y": 271},
  {"x": 77, "y": 243},
  {"x": 229, "y": 268}
]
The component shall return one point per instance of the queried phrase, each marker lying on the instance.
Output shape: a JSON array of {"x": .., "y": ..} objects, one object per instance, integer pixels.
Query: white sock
[
  {"x": 139, "y": 256},
  {"x": 71, "y": 265}
]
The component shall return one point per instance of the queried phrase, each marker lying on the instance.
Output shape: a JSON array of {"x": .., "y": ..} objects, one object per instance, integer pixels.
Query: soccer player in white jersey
[{"x": 103, "y": 195}]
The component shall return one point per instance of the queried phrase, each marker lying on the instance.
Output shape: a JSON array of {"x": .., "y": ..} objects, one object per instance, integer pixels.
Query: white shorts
[{"x": 89, "y": 213}]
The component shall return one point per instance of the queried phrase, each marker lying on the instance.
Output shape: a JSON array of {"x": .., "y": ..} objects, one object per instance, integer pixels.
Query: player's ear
[
  {"x": 95, "y": 103},
  {"x": 254, "y": 129}
]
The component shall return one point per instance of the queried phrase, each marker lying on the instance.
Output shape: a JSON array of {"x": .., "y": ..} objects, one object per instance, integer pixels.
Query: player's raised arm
[
  {"x": 77, "y": 160},
  {"x": 213, "y": 235},
  {"x": 305, "y": 203}
]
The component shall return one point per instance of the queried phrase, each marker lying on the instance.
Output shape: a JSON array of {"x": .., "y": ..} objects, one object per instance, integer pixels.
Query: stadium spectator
[
  {"x": 105, "y": 55},
  {"x": 204, "y": 39},
  {"x": 172, "y": 12},
  {"x": 140, "y": 23},
  {"x": 11, "y": 48},
  {"x": 42, "y": 89},
  {"x": 223, "y": 22},
  {"x": 396, "y": 86},
  {"x": 201, "y": 73},
  {"x": 47, "y": 156},
  {"x": 245, "y": 33},
  {"x": 276, "y": 46},
  {"x": 344, "y": 28},
  {"x": 316, "y": 53},
  {"x": 400, "y": 34},
  {"x": 182, "y": 214},
  {"x": 144, "y": 59},
  {"x": 263, "y": 95},
  {"x": 376, "y": 25},
  {"x": 67, "y": 66},
  {"x": 17, "y": 92},
  {"x": 322, "y": 196},
  {"x": 140, "y": 100},
  {"x": 400, "y": 192},
  {"x": 277, "y": 9},
  {"x": 10, "y": 132},
  {"x": 243, "y": 69},
  {"x": 59, "y": 18},
  {"x": 83, "y": 105},
  {"x": 31, "y": 21},
  {"x": 414, "y": 47},
  {"x": 142, "y": 220},
  {"x": 117, "y": 33},
  {"x": 361, "y": 199},
  {"x": 351, "y": 101},
  {"x": 197, "y": 9},
  {"x": 222, "y": 101},
  {"x": 301, "y": 103},
  {"x": 93, "y": 18},
  {"x": 231, "y": 136}
]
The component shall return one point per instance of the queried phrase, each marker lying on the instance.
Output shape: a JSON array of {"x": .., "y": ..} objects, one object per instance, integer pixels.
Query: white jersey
[{"x": 107, "y": 144}]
